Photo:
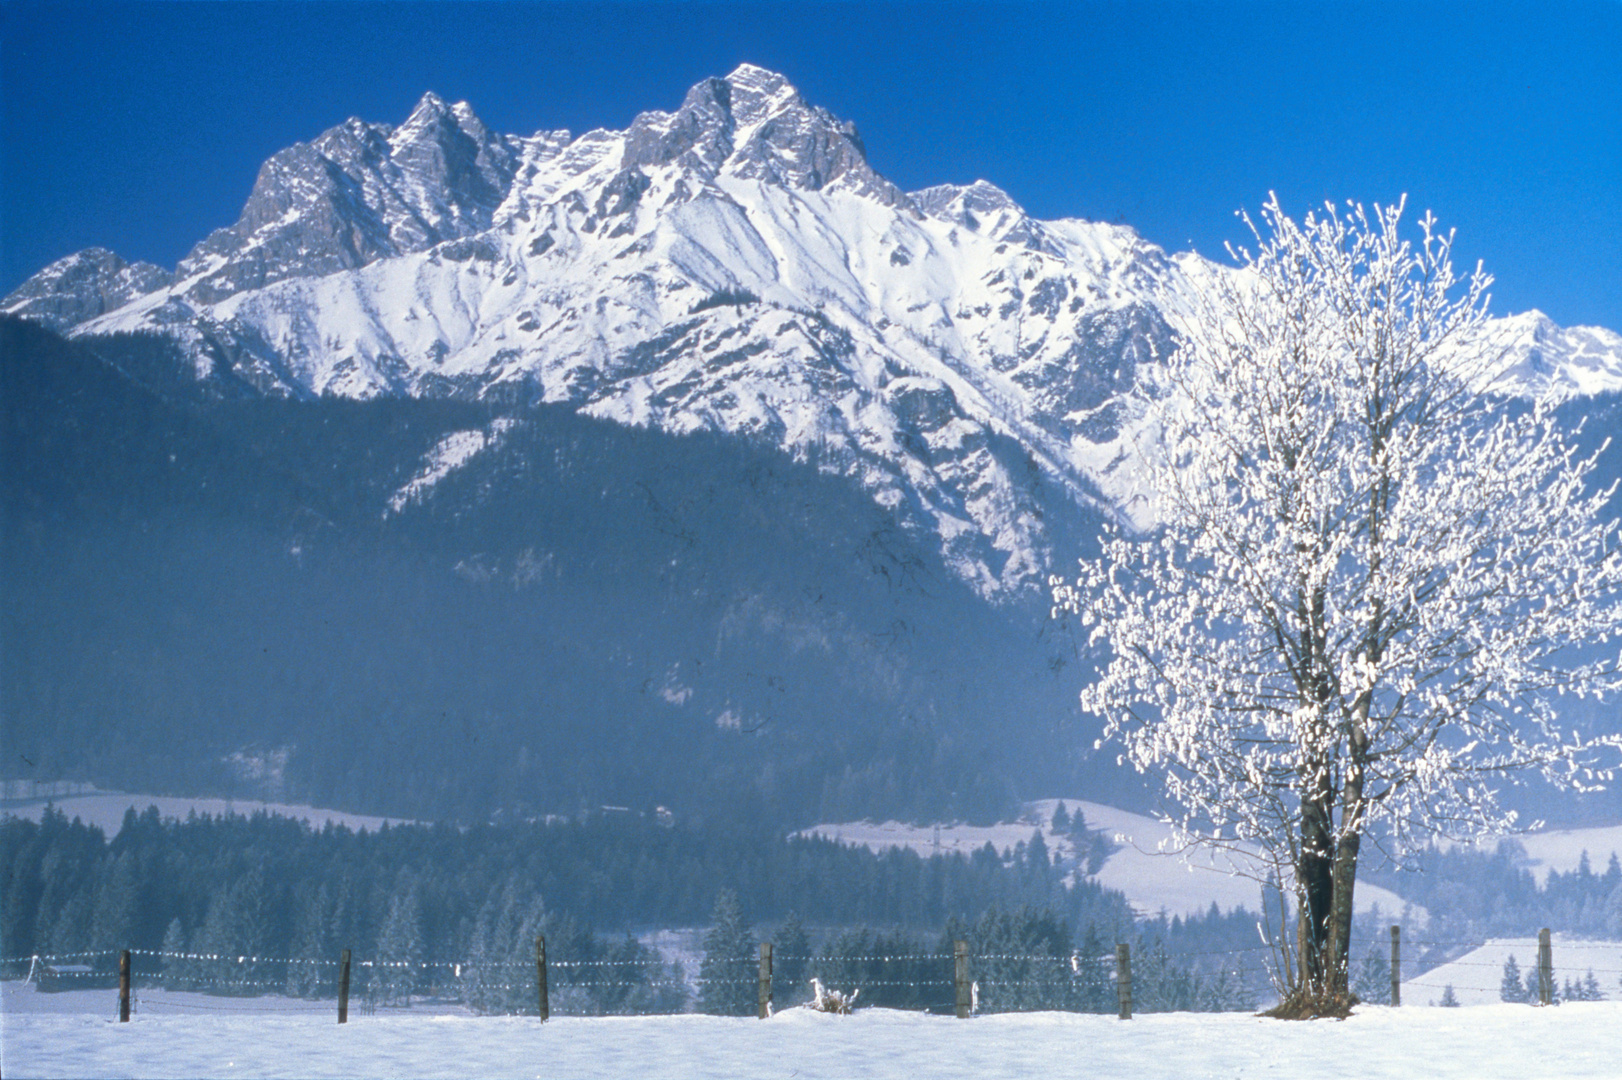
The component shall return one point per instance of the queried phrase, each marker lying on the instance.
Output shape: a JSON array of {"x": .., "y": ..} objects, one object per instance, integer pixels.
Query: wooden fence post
[
  {"x": 343, "y": 988},
  {"x": 960, "y": 979},
  {"x": 1123, "y": 978},
  {"x": 124, "y": 987},
  {"x": 1396, "y": 965},
  {"x": 765, "y": 979},
  {"x": 1545, "y": 968},
  {"x": 545, "y": 1005}
]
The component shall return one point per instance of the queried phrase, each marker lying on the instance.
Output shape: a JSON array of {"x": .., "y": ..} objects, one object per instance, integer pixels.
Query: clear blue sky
[{"x": 139, "y": 127}]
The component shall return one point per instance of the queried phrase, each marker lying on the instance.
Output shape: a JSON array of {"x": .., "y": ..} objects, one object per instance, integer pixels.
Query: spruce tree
[
  {"x": 399, "y": 948},
  {"x": 311, "y": 945},
  {"x": 177, "y": 970},
  {"x": 727, "y": 974},
  {"x": 1373, "y": 981},
  {"x": 791, "y": 955},
  {"x": 1094, "y": 974},
  {"x": 1511, "y": 988}
]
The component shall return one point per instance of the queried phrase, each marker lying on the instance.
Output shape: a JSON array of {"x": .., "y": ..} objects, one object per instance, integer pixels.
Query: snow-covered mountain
[{"x": 735, "y": 266}]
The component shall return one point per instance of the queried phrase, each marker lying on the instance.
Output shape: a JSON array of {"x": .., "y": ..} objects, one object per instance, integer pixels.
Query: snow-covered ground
[
  {"x": 1475, "y": 977},
  {"x": 1574, "y": 1041},
  {"x": 1153, "y": 878},
  {"x": 105, "y": 809}
]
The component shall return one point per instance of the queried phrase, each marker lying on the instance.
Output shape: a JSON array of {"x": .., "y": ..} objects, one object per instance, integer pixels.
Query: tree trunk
[
  {"x": 1352, "y": 809},
  {"x": 1316, "y": 890},
  {"x": 1325, "y": 878}
]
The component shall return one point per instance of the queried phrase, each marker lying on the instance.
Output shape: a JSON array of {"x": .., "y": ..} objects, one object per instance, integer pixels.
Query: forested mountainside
[{"x": 260, "y": 596}]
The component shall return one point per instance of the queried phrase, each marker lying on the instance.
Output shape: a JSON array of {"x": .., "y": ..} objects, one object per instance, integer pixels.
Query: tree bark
[{"x": 1315, "y": 885}]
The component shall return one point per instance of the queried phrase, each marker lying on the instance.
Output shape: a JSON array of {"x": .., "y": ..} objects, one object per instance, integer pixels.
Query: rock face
[
  {"x": 359, "y": 193},
  {"x": 734, "y": 266},
  {"x": 83, "y": 285}
]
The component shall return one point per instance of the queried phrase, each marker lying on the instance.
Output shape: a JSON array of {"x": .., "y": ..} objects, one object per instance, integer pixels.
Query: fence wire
[{"x": 1001, "y": 981}]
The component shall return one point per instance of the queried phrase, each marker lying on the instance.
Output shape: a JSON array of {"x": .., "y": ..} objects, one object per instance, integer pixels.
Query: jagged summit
[
  {"x": 759, "y": 93},
  {"x": 734, "y": 265},
  {"x": 753, "y": 124},
  {"x": 81, "y": 286}
]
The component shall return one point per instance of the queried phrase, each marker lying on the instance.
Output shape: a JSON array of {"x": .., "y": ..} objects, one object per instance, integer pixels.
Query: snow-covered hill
[
  {"x": 735, "y": 265},
  {"x": 1153, "y": 875},
  {"x": 1476, "y": 976}
]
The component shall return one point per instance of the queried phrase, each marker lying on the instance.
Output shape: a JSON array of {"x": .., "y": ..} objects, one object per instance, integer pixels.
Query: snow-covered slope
[
  {"x": 1577, "y": 360},
  {"x": 735, "y": 265},
  {"x": 1477, "y": 975},
  {"x": 1143, "y": 866}
]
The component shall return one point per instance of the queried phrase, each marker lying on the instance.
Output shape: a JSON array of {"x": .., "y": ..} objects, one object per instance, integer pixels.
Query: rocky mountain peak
[
  {"x": 697, "y": 137},
  {"x": 754, "y": 124},
  {"x": 758, "y": 94},
  {"x": 81, "y": 286},
  {"x": 357, "y": 193}
]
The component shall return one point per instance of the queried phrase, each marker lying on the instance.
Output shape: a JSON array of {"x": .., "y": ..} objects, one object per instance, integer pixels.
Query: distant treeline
[
  {"x": 1473, "y": 895},
  {"x": 272, "y": 887}
]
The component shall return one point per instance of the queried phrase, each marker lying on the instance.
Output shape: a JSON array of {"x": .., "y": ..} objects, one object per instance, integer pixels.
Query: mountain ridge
[{"x": 735, "y": 265}]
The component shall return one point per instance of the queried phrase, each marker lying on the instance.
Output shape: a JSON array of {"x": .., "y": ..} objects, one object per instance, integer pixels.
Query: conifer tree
[
  {"x": 727, "y": 973},
  {"x": 791, "y": 956},
  {"x": 177, "y": 970},
  {"x": 399, "y": 948},
  {"x": 1373, "y": 982},
  {"x": 311, "y": 941},
  {"x": 1093, "y": 974},
  {"x": 1510, "y": 987}
]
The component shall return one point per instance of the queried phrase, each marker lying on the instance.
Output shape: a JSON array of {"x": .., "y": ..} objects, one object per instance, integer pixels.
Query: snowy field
[
  {"x": 1516, "y": 1042},
  {"x": 1152, "y": 878}
]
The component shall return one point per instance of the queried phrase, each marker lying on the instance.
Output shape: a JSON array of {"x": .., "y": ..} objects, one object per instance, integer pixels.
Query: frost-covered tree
[{"x": 1366, "y": 577}]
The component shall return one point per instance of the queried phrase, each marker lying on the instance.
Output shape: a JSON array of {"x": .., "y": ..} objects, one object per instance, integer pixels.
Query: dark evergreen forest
[{"x": 252, "y": 905}]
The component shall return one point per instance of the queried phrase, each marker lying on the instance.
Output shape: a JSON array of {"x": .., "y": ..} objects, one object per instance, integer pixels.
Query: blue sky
[{"x": 139, "y": 127}]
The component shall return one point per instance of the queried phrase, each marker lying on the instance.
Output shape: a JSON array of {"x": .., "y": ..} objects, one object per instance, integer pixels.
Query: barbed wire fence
[{"x": 962, "y": 982}]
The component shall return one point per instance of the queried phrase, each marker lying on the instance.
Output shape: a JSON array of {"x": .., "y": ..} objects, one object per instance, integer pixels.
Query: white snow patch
[
  {"x": 1561, "y": 850},
  {"x": 449, "y": 454}
]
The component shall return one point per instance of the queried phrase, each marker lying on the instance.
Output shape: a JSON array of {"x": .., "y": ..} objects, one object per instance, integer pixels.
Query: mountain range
[{"x": 415, "y": 338}]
